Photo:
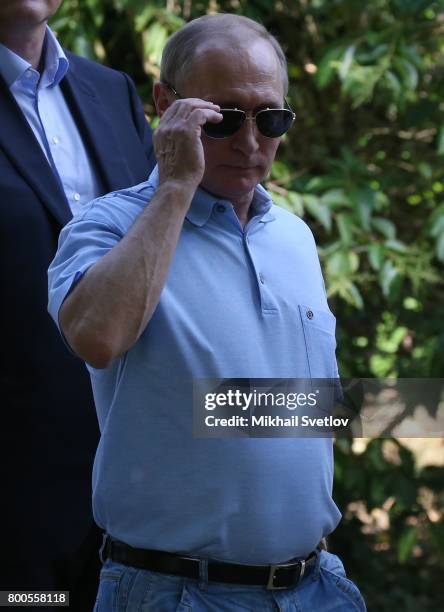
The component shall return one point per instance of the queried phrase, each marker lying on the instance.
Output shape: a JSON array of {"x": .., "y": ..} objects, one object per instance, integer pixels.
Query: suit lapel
[
  {"x": 96, "y": 128},
  {"x": 23, "y": 150}
]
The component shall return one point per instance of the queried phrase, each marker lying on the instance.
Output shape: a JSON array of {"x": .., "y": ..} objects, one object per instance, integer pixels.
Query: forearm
[{"x": 112, "y": 304}]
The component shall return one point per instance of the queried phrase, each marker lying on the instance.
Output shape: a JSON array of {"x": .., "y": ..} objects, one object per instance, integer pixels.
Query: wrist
[{"x": 178, "y": 191}]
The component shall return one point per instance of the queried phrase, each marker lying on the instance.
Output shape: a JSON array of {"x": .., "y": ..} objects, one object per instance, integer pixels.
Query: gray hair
[{"x": 180, "y": 49}]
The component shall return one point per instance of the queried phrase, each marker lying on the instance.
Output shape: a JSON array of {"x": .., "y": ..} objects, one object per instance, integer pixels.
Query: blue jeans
[{"x": 325, "y": 589}]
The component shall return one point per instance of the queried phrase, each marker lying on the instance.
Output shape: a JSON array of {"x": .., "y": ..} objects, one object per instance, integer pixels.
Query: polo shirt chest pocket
[{"x": 320, "y": 342}]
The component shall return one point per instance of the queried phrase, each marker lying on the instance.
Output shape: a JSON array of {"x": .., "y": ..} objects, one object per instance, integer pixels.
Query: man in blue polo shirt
[{"x": 196, "y": 273}]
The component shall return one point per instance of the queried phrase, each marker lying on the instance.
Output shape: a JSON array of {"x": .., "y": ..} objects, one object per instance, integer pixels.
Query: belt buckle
[{"x": 275, "y": 568}]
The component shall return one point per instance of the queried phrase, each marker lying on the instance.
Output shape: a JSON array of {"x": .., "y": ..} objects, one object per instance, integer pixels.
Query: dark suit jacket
[{"x": 48, "y": 424}]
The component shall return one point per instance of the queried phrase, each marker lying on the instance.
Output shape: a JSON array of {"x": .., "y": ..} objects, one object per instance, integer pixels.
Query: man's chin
[{"x": 234, "y": 188}]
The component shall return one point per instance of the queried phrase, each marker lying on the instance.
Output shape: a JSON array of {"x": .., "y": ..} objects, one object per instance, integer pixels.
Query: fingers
[
  {"x": 186, "y": 103},
  {"x": 199, "y": 116},
  {"x": 187, "y": 116},
  {"x": 177, "y": 139},
  {"x": 192, "y": 111}
]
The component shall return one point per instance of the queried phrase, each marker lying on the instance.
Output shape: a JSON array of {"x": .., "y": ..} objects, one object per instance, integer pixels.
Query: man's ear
[{"x": 163, "y": 97}]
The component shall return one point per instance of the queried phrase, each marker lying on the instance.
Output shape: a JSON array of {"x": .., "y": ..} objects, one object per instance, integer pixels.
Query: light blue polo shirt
[{"x": 234, "y": 305}]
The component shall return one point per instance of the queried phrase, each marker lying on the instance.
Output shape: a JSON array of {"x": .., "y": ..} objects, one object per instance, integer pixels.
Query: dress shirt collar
[
  {"x": 204, "y": 202},
  {"x": 13, "y": 67}
]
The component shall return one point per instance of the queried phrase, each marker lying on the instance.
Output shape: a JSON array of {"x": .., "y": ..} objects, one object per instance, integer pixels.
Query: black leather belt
[{"x": 279, "y": 576}]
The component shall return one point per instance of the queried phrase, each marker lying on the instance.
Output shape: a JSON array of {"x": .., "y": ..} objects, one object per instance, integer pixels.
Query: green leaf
[
  {"x": 440, "y": 141},
  {"x": 296, "y": 202},
  {"x": 318, "y": 210},
  {"x": 346, "y": 61},
  {"x": 376, "y": 254},
  {"x": 381, "y": 200},
  {"x": 280, "y": 171},
  {"x": 410, "y": 7},
  {"x": 440, "y": 248},
  {"x": 375, "y": 457},
  {"x": 143, "y": 17},
  {"x": 291, "y": 201},
  {"x": 360, "y": 83},
  {"x": 381, "y": 366},
  {"x": 406, "y": 543},
  {"x": 437, "y": 213},
  {"x": 342, "y": 263},
  {"x": 364, "y": 200},
  {"x": 392, "y": 82},
  {"x": 391, "y": 343},
  {"x": 353, "y": 260},
  {"x": 384, "y": 227},
  {"x": 396, "y": 245},
  {"x": 320, "y": 183},
  {"x": 387, "y": 275},
  {"x": 345, "y": 224},
  {"x": 437, "y": 227},
  {"x": 371, "y": 56},
  {"x": 425, "y": 170},
  {"x": 347, "y": 290},
  {"x": 378, "y": 493},
  {"x": 154, "y": 41},
  {"x": 335, "y": 198},
  {"x": 327, "y": 67},
  {"x": 281, "y": 200},
  {"x": 407, "y": 72},
  {"x": 338, "y": 264},
  {"x": 355, "y": 295}
]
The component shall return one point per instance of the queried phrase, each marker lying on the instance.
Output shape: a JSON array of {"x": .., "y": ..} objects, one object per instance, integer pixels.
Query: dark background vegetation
[{"x": 363, "y": 165}]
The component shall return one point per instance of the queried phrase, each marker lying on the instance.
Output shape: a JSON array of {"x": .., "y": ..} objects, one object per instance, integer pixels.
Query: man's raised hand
[{"x": 177, "y": 140}]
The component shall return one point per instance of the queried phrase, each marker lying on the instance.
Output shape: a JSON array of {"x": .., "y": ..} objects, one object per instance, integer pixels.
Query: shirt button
[
  {"x": 55, "y": 140},
  {"x": 261, "y": 278},
  {"x": 309, "y": 314},
  {"x": 28, "y": 73},
  {"x": 76, "y": 197},
  {"x": 220, "y": 208}
]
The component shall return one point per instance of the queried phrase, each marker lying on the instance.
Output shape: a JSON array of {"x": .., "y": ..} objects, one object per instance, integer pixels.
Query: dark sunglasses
[{"x": 271, "y": 122}]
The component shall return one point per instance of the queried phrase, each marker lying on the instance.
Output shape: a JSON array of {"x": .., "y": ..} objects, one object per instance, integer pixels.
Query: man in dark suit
[{"x": 70, "y": 130}]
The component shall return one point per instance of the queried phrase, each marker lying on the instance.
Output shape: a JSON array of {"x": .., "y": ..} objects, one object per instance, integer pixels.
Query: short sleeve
[{"x": 81, "y": 244}]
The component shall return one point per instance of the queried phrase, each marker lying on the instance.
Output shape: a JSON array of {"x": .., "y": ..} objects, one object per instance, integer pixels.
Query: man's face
[
  {"x": 26, "y": 13},
  {"x": 249, "y": 78}
]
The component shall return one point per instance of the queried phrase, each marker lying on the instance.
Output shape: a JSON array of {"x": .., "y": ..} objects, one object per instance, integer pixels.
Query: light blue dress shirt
[
  {"x": 238, "y": 303},
  {"x": 43, "y": 104}
]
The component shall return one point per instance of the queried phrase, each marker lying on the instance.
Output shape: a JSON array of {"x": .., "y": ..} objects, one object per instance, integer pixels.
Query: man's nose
[{"x": 246, "y": 138}]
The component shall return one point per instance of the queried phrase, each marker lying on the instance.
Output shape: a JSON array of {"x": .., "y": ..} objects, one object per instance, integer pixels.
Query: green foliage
[
  {"x": 363, "y": 165},
  {"x": 395, "y": 509}
]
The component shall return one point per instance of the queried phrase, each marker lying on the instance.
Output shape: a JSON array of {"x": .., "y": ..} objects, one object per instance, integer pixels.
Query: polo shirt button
[
  {"x": 220, "y": 208},
  {"x": 309, "y": 314},
  {"x": 261, "y": 278},
  {"x": 76, "y": 197}
]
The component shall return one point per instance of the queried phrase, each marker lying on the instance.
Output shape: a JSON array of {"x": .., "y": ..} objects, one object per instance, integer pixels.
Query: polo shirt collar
[
  {"x": 262, "y": 204},
  {"x": 13, "y": 67},
  {"x": 203, "y": 203},
  {"x": 201, "y": 207}
]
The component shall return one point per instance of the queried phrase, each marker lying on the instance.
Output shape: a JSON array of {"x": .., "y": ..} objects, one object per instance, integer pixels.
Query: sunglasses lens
[
  {"x": 231, "y": 122},
  {"x": 274, "y": 122}
]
